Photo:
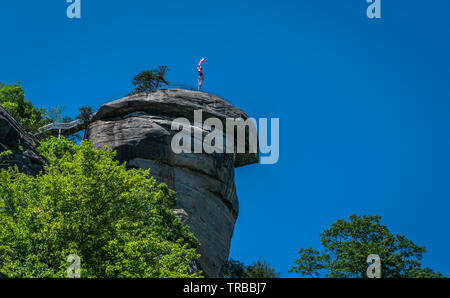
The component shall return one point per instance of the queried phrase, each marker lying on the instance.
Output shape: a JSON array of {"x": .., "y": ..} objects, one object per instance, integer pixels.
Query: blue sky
[{"x": 363, "y": 104}]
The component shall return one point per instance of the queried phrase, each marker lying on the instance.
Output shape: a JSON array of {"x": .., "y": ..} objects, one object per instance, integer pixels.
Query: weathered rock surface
[
  {"x": 20, "y": 144},
  {"x": 138, "y": 127}
]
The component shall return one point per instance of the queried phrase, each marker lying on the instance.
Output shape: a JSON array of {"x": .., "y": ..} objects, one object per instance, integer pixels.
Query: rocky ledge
[
  {"x": 138, "y": 127},
  {"x": 18, "y": 147}
]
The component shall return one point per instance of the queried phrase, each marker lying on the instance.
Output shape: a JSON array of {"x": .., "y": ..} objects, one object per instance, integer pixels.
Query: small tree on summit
[
  {"x": 150, "y": 80},
  {"x": 160, "y": 72}
]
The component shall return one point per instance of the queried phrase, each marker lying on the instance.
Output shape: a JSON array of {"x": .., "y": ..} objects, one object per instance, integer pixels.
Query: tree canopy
[
  {"x": 118, "y": 221},
  {"x": 259, "y": 269},
  {"x": 55, "y": 115},
  {"x": 12, "y": 99},
  {"x": 85, "y": 115},
  {"x": 150, "y": 80},
  {"x": 347, "y": 244}
]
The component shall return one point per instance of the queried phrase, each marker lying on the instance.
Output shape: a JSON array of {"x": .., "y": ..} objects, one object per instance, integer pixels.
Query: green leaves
[
  {"x": 310, "y": 262},
  {"x": 86, "y": 114},
  {"x": 54, "y": 149},
  {"x": 347, "y": 245},
  {"x": 148, "y": 81},
  {"x": 259, "y": 269},
  {"x": 12, "y": 98},
  {"x": 117, "y": 220}
]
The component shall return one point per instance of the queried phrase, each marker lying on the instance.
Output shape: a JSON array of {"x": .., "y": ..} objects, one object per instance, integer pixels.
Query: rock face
[
  {"x": 21, "y": 146},
  {"x": 138, "y": 127}
]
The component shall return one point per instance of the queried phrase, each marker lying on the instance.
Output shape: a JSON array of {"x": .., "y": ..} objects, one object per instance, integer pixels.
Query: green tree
[
  {"x": 85, "y": 115},
  {"x": 54, "y": 148},
  {"x": 234, "y": 269},
  {"x": 118, "y": 221},
  {"x": 150, "y": 80},
  {"x": 347, "y": 244},
  {"x": 259, "y": 269},
  {"x": 160, "y": 74},
  {"x": 12, "y": 98},
  {"x": 56, "y": 115}
]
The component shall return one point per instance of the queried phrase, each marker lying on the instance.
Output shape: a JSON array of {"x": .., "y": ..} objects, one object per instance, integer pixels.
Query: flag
[{"x": 201, "y": 76}]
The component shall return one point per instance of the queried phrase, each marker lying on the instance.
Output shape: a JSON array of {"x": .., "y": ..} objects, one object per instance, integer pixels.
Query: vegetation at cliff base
[
  {"x": 118, "y": 221},
  {"x": 259, "y": 269},
  {"x": 347, "y": 244}
]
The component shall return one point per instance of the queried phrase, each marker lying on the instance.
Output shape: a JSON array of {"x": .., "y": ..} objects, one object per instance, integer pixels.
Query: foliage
[
  {"x": 54, "y": 148},
  {"x": 310, "y": 262},
  {"x": 259, "y": 269},
  {"x": 12, "y": 98},
  {"x": 85, "y": 115},
  {"x": 347, "y": 244},
  {"x": 148, "y": 81},
  {"x": 5, "y": 153},
  {"x": 55, "y": 115},
  {"x": 118, "y": 221},
  {"x": 160, "y": 74},
  {"x": 234, "y": 269}
]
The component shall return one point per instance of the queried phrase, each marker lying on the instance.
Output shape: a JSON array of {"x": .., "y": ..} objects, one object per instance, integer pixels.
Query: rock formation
[
  {"x": 138, "y": 127},
  {"x": 20, "y": 145}
]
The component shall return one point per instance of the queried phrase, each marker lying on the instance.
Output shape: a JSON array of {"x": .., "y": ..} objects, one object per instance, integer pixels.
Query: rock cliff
[
  {"x": 20, "y": 145},
  {"x": 138, "y": 127}
]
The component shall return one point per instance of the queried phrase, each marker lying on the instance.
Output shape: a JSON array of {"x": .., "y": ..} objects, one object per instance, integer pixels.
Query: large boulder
[
  {"x": 138, "y": 127},
  {"x": 17, "y": 147}
]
